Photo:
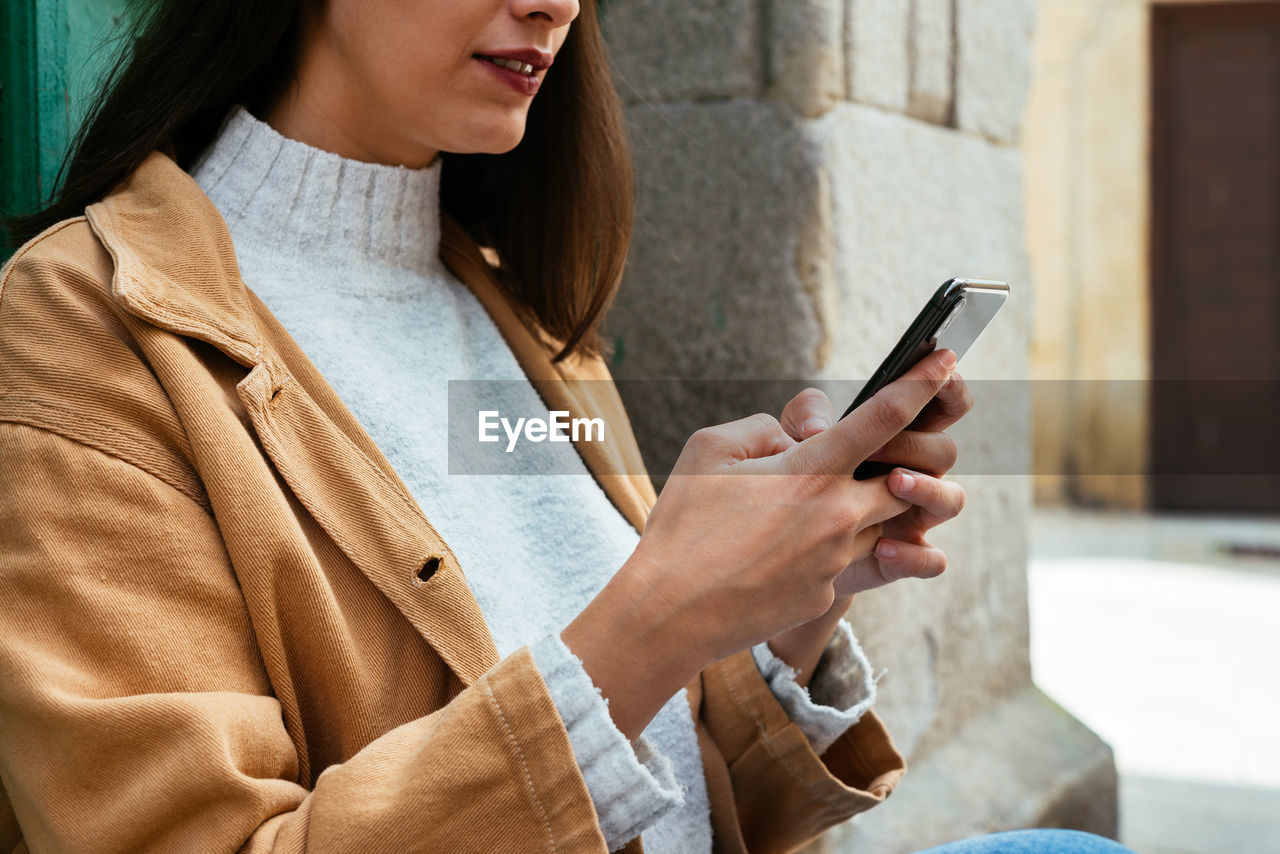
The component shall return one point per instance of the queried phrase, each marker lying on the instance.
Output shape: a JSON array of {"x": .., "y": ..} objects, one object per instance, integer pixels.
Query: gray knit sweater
[{"x": 345, "y": 254}]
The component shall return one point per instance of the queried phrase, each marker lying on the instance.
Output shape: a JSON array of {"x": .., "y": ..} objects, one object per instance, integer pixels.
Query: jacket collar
[{"x": 174, "y": 262}]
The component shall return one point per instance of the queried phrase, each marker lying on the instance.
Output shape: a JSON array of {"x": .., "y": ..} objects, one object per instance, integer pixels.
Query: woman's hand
[
  {"x": 924, "y": 454},
  {"x": 748, "y": 539}
]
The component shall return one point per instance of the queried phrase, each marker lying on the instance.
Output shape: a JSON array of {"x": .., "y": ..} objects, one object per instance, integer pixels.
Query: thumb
[
  {"x": 759, "y": 435},
  {"x": 751, "y": 438}
]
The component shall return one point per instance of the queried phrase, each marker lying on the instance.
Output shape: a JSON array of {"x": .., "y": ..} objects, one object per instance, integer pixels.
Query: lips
[
  {"x": 517, "y": 68},
  {"x": 535, "y": 56},
  {"x": 511, "y": 64}
]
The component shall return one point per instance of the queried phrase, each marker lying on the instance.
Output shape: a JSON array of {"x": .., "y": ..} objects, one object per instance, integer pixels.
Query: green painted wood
[
  {"x": 19, "y": 181},
  {"x": 53, "y": 53},
  {"x": 35, "y": 99}
]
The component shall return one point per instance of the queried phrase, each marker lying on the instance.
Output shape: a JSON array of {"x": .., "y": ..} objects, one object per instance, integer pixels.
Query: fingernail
[
  {"x": 887, "y": 550},
  {"x": 906, "y": 482},
  {"x": 949, "y": 359},
  {"x": 814, "y": 425}
]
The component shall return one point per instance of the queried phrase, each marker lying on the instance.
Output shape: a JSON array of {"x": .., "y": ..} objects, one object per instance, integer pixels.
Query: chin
[
  {"x": 501, "y": 144},
  {"x": 495, "y": 138}
]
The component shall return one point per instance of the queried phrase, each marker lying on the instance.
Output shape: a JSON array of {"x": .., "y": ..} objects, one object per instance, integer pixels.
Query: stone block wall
[{"x": 808, "y": 171}]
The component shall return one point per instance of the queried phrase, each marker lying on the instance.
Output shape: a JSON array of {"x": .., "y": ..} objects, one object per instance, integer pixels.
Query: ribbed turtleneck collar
[{"x": 289, "y": 199}]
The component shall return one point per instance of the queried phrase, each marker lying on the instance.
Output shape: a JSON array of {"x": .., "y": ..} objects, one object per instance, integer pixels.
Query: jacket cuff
[
  {"x": 841, "y": 690},
  {"x": 775, "y": 770},
  {"x": 631, "y": 784}
]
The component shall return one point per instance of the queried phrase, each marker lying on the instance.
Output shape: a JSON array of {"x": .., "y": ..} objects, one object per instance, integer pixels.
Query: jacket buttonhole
[
  {"x": 428, "y": 569},
  {"x": 275, "y": 392}
]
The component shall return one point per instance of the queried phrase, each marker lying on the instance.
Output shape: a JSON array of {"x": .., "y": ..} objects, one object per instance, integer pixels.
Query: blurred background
[
  {"x": 1101, "y": 652},
  {"x": 1152, "y": 152}
]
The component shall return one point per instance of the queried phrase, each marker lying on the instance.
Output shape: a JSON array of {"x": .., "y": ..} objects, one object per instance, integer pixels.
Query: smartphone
[{"x": 952, "y": 319}]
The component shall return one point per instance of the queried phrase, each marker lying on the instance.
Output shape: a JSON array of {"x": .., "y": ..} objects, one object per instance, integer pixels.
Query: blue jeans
[{"x": 1033, "y": 842}]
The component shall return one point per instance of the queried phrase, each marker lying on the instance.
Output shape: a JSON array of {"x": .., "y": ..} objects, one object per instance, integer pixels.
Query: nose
[{"x": 558, "y": 13}]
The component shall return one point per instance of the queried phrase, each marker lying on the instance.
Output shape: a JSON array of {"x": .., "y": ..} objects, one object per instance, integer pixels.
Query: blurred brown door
[{"x": 1215, "y": 241}]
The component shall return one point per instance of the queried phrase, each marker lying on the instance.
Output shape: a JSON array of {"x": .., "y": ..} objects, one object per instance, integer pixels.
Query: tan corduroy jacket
[{"x": 226, "y": 624}]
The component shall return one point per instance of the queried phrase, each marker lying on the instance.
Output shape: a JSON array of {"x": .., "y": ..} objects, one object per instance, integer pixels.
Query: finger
[
  {"x": 899, "y": 559},
  {"x": 872, "y": 501},
  {"x": 931, "y": 453},
  {"x": 807, "y": 413},
  {"x": 935, "y": 500},
  {"x": 839, "y": 448},
  {"x": 952, "y": 402}
]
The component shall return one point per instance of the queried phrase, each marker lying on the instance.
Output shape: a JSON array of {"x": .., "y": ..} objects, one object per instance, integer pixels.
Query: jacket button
[{"x": 428, "y": 569}]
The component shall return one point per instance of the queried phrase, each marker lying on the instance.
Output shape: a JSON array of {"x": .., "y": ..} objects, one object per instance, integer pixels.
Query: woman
[{"x": 231, "y": 625}]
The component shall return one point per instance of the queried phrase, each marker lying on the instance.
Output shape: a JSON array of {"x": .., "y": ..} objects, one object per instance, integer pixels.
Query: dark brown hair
[{"x": 557, "y": 208}]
